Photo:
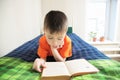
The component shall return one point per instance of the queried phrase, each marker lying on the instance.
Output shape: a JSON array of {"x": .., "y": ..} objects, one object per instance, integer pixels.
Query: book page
[
  {"x": 80, "y": 66},
  {"x": 55, "y": 69}
]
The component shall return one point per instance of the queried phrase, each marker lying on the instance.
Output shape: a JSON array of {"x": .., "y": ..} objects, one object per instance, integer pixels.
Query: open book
[{"x": 65, "y": 70}]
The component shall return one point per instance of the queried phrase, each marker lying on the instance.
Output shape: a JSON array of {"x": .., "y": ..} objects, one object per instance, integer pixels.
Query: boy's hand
[{"x": 39, "y": 64}]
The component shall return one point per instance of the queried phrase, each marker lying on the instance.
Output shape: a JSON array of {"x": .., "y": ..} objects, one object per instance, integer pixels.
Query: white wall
[
  {"x": 19, "y": 22},
  {"x": 74, "y": 9}
]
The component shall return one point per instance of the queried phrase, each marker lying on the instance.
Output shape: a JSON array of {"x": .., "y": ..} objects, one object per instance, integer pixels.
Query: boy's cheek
[
  {"x": 50, "y": 43},
  {"x": 62, "y": 43}
]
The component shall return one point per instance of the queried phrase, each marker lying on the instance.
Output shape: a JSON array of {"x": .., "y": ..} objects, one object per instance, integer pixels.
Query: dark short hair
[{"x": 55, "y": 21}]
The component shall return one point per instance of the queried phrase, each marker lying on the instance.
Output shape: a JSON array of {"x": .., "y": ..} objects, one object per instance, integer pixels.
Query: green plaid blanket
[
  {"x": 16, "y": 69},
  {"x": 109, "y": 70}
]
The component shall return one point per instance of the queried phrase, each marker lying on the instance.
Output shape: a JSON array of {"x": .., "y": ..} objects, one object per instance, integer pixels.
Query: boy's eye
[
  {"x": 59, "y": 39},
  {"x": 50, "y": 38}
]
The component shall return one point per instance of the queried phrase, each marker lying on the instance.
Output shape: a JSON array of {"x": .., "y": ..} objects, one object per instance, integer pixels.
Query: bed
[{"x": 17, "y": 65}]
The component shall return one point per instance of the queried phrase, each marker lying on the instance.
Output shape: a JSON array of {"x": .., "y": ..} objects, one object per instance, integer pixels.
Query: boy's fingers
[
  {"x": 43, "y": 65},
  {"x": 38, "y": 69}
]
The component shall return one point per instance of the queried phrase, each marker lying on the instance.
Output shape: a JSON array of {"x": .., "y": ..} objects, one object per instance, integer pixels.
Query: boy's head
[
  {"x": 55, "y": 27},
  {"x": 55, "y": 22}
]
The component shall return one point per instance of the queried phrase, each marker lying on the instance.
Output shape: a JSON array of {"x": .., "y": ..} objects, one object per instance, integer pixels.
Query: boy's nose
[{"x": 55, "y": 43}]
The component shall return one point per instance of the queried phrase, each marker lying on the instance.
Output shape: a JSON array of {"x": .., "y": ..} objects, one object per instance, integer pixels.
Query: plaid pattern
[
  {"x": 27, "y": 51},
  {"x": 80, "y": 49},
  {"x": 109, "y": 70},
  {"x": 17, "y": 69}
]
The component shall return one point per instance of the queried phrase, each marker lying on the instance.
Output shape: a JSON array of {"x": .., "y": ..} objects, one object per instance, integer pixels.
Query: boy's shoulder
[
  {"x": 43, "y": 39},
  {"x": 67, "y": 39}
]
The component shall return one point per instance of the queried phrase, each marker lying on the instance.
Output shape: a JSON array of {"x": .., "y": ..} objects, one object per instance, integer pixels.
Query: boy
[{"x": 54, "y": 42}]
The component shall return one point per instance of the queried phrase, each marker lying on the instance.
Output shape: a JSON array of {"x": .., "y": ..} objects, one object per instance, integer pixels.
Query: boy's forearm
[{"x": 57, "y": 56}]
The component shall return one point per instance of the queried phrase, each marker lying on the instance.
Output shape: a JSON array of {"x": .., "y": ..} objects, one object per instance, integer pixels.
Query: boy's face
[{"x": 56, "y": 39}]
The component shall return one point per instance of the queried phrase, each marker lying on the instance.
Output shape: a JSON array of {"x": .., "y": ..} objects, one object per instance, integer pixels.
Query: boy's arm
[{"x": 57, "y": 56}]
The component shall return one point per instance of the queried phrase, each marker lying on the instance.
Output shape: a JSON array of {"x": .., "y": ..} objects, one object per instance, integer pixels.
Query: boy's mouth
[{"x": 54, "y": 46}]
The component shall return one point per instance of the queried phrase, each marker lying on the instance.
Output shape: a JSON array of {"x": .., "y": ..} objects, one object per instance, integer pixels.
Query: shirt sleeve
[{"x": 42, "y": 51}]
